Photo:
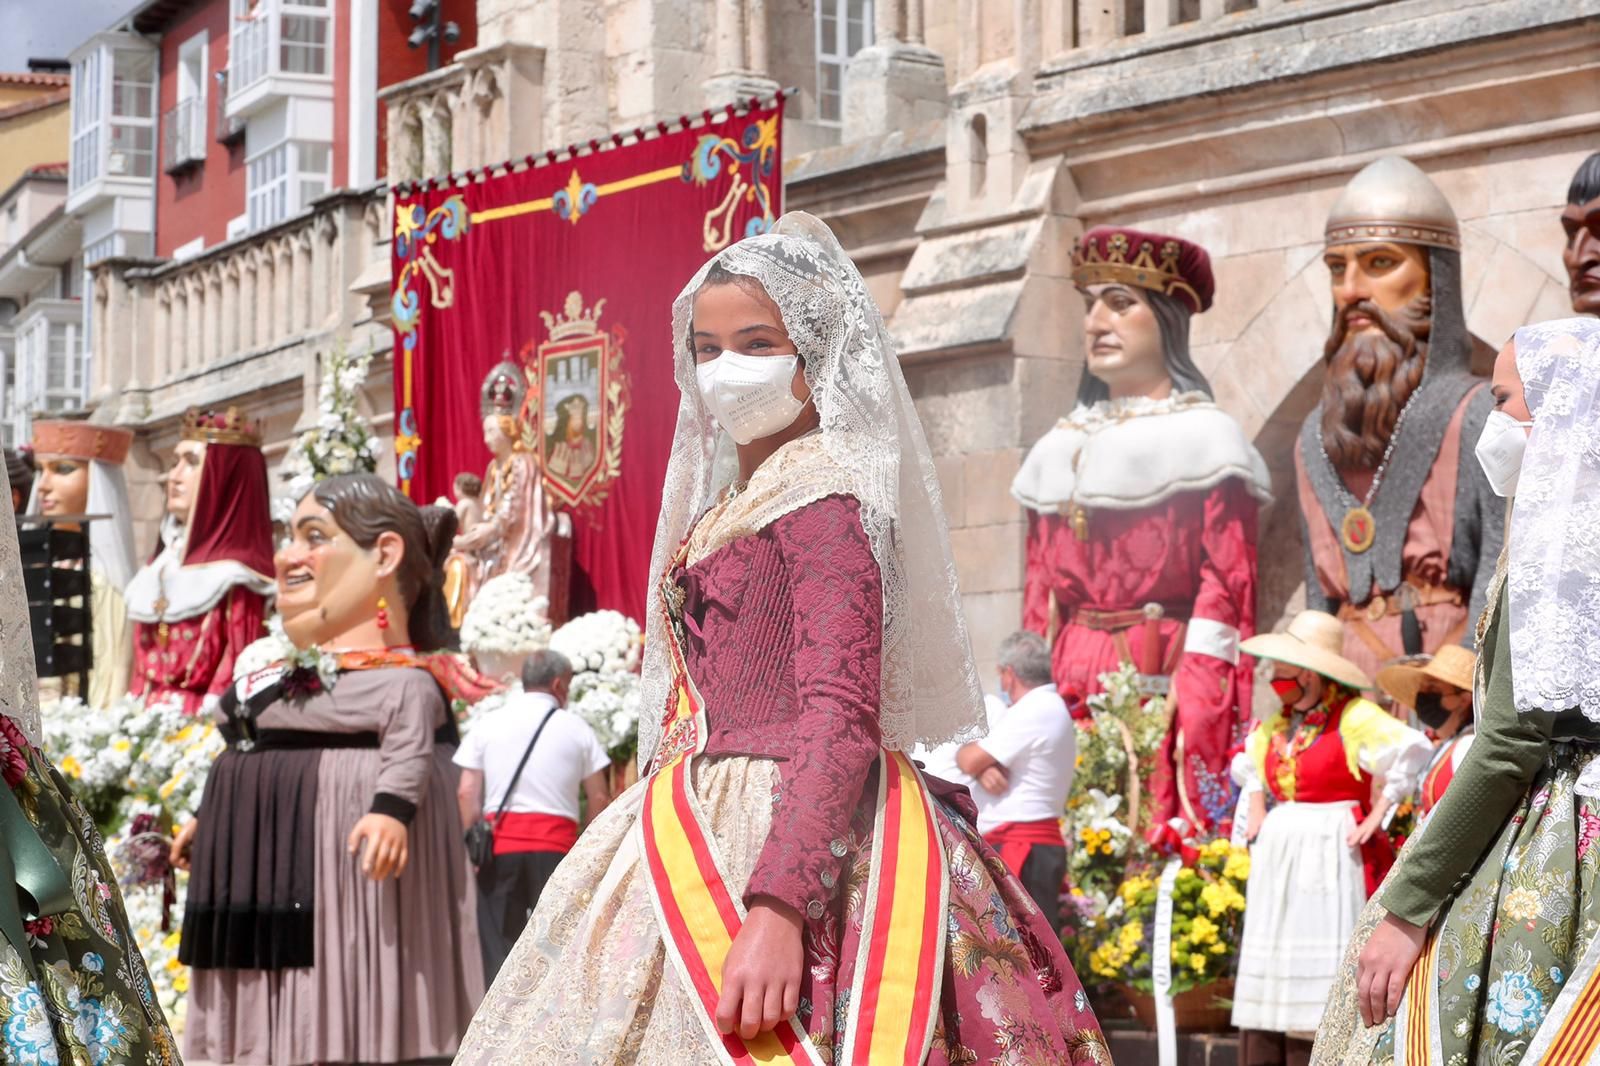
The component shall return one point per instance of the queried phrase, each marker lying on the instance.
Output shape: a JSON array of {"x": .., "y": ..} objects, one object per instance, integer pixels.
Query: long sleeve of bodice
[
  {"x": 244, "y": 614},
  {"x": 412, "y": 708},
  {"x": 1210, "y": 675},
  {"x": 1037, "y": 589},
  {"x": 1506, "y": 754},
  {"x": 838, "y": 646}
]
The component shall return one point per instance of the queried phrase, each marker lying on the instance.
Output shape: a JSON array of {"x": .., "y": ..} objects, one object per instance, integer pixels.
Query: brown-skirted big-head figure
[
  {"x": 1580, "y": 220},
  {"x": 355, "y": 540},
  {"x": 1392, "y": 246}
]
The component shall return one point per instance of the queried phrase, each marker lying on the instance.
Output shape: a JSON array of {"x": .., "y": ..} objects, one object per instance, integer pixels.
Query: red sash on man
[
  {"x": 1014, "y": 840},
  {"x": 534, "y": 832}
]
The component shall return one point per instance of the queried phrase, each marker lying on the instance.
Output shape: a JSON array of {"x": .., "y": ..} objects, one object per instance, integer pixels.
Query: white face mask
[
  {"x": 750, "y": 396},
  {"x": 1499, "y": 451}
]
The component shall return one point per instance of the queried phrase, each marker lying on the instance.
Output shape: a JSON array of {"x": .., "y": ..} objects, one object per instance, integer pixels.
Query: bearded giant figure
[
  {"x": 1142, "y": 512},
  {"x": 202, "y": 598},
  {"x": 1402, "y": 529}
]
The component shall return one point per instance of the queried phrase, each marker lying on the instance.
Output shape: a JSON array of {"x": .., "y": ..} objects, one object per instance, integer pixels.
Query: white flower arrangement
[
  {"x": 342, "y": 442},
  {"x": 602, "y": 642},
  {"x": 609, "y": 701},
  {"x": 506, "y": 617}
]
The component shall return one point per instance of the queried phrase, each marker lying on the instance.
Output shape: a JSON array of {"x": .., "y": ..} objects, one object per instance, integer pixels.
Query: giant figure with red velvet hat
[
  {"x": 203, "y": 597},
  {"x": 1142, "y": 513}
]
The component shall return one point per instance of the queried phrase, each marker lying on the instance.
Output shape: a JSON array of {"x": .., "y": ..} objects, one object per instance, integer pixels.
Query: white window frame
[
  {"x": 147, "y": 121},
  {"x": 88, "y": 111},
  {"x": 835, "y": 54},
  {"x": 284, "y": 194},
  {"x": 189, "y": 112},
  {"x": 256, "y": 42}
]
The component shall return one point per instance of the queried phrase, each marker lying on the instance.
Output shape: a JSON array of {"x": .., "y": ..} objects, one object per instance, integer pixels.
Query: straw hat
[
  {"x": 1451, "y": 664},
  {"x": 1314, "y": 641}
]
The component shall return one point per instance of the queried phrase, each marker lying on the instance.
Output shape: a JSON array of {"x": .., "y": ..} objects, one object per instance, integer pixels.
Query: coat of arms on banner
[{"x": 581, "y": 396}]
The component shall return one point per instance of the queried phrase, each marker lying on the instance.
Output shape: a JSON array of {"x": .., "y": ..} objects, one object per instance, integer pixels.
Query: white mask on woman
[
  {"x": 750, "y": 396},
  {"x": 1500, "y": 448}
]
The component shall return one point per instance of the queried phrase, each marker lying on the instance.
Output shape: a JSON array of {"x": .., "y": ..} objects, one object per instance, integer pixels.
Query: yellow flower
[
  {"x": 173, "y": 965},
  {"x": 180, "y": 983},
  {"x": 172, "y": 940},
  {"x": 1128, "y": 939},
  {"x": 1237, "y": 867},
  {"x": 1197, "y": 962},
  {"x": 1522, "y": 904},
  {"x": 1219, "y": 848},
  {"x": 121, "y": 745},
  {"x": 1215, "y": 900},
  {"x": 1203, "y": 930},
  {"x": 183, "y": 734},
  {"x": 71, "y": 767},
  {"x": 1219, "y": 948}
]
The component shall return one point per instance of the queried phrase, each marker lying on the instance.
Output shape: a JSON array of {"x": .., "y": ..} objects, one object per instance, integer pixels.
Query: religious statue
[
  {"x": 202, "y": 597},
  {"x": 80, "y": 474},
  {"x": 1142, "y": 510},
  {"x": 1402, "y": 529},
  {"x": 1581, "y": 221},
  {"x": 516, "y": 530}
]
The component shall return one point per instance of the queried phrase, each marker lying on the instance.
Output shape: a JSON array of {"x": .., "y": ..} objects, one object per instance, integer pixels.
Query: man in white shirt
[
  {"x": 1026, "y": 764},
  {"x": 539, "y": 822}
]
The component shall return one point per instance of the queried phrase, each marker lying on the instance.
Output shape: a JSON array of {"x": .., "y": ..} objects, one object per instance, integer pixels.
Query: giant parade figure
[
  {"x": 1142, "y": 513},
  {"x": 201, "y": 599},
  {"x": 1580, "y": 224},
  {"x": 1402, "y": 529},
  {"x": 518, "y": 528},
  {"x": 80, "y": 473}
]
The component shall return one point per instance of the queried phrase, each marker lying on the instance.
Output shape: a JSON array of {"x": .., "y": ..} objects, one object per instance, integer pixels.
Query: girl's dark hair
[{"x": 365, "y": 506}]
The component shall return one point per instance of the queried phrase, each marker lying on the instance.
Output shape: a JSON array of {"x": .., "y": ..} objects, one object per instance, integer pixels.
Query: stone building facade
[{"x": 969, "y": 143}]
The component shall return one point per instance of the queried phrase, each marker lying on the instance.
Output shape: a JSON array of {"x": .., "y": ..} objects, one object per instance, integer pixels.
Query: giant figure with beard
[{"x": 1402, "y": 530}]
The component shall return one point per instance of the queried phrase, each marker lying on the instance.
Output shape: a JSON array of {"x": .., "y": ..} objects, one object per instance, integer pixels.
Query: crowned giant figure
[
  {"x": 1142, "y": 512},
  {"x": 1402, "y": 529},
  {"x": 202, "y": 598}
]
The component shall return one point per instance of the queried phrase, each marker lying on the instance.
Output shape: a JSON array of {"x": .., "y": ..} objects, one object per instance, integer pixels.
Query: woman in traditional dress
[
  {"x": 1439, "y": 690},
  {"x": 1482, "y": 947},
  {"x": 784, "y": 883},
  {"x": 1319, "y": 852},
  {"x": 330, "y": 917},
  {"x": 73, "y": 987}
]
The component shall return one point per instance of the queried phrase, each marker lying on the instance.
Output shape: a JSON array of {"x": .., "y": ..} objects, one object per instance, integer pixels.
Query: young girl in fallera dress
[{"x": 784, "y": 884}]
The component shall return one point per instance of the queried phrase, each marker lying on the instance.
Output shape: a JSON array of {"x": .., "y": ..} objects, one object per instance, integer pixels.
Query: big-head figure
[
  {"x": 1142, "y": 509},
  {"x": 1402, "y": 530},
  {"x": 1580, "y": 222},
  {"x": 202, "y": 598}
]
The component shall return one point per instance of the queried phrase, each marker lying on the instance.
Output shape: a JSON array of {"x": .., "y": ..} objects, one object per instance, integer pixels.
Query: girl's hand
[
  {"x": 761, "y": 977},
  {"x": 386, "y": 842},
  {"x": 1385, "y": 966}
]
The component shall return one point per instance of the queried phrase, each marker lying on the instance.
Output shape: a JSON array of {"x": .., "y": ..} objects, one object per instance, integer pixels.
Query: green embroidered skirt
[{"x": 1511, "y": 959}]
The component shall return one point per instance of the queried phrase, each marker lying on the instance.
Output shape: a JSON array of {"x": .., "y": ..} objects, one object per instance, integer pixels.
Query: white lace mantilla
[
  {"x": 874, "y": 442},
  {"x": 1553, "y": 556},
  {"x": 1128, "y": 454}
]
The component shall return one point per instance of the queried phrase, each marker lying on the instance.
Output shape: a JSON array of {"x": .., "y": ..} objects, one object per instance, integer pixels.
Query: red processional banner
[{"x": 566, "y": 265}]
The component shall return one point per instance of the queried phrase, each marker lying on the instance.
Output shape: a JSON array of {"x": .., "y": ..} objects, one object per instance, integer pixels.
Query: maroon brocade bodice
[{"x": 784, "y": 642}]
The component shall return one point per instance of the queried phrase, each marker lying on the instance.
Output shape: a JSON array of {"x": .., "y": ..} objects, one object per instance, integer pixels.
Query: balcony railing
[
  {"x": 183, "y": 135},
  {"x": 251, "y": 49}
]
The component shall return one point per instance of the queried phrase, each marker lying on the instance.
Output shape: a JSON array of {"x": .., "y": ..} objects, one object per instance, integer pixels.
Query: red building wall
[
  {"x": 199, "y": 201},
  {"x": 398, "y": 61}
]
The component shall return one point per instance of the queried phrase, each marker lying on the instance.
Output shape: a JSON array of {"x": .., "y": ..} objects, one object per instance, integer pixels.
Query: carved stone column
[
  {"x": 742, "y": 54},
  {"x": 897, "y": 81}
]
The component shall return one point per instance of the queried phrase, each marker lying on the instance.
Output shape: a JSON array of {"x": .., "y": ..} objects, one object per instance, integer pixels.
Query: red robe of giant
[{"x": 1141, "y": 505}]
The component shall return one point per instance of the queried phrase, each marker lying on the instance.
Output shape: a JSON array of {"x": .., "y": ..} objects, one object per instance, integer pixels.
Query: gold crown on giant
[
  {"x": 225, "y": 427},
  {"x": 1141, "y": 269},
  {"x": 575, "y": 320}
]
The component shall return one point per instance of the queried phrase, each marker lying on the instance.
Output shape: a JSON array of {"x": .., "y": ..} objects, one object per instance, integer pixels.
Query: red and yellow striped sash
[
  {"x": 1418, "y": 1004},
  {"x": 1578, "y": 1037},
  {"x": 901, "y": 954}
]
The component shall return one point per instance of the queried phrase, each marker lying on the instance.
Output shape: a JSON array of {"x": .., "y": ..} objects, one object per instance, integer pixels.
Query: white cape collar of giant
[
  {"x": 164, "y": 590},
  {"x": 1128, "y": 454}
]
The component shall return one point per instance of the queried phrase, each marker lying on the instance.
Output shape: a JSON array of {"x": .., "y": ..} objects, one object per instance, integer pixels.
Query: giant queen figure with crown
[
  {"x": 201, "y": 599},
  {"x": 1142, "y": 512},
  {"x": 1402, "y": 529}
]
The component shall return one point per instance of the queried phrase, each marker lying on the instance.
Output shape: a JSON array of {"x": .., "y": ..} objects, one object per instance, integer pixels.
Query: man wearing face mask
[
  {"x": 1142, "y": 508},
  {"x": 1402, "y": 531},
  {"x": 1319, "y": 852},
  {"x": 1439, "y": 689}
]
